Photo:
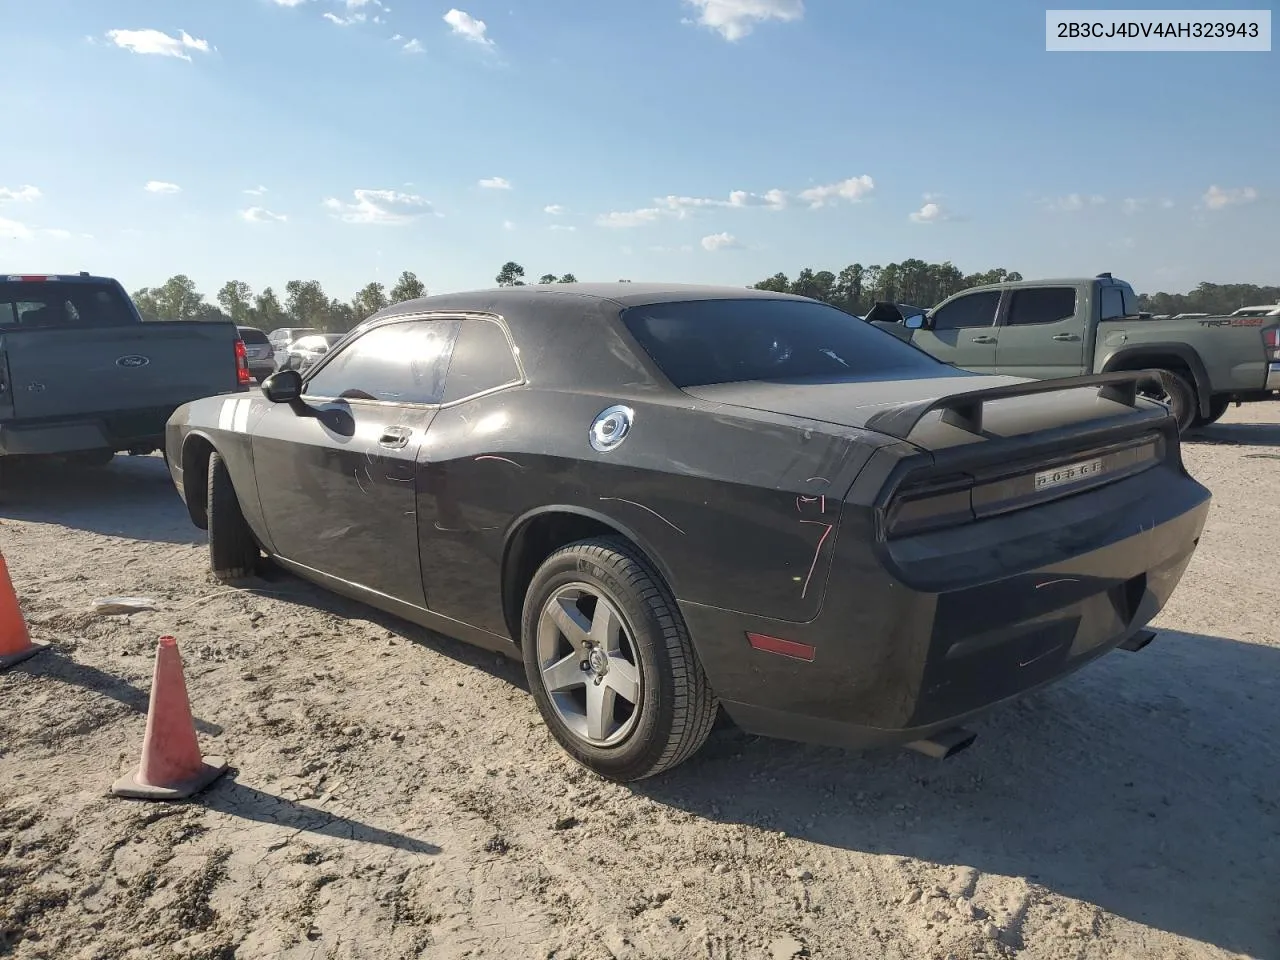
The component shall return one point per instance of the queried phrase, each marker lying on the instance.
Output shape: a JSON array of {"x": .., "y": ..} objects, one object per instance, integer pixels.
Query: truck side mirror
[{"x": 915, "y": 321}]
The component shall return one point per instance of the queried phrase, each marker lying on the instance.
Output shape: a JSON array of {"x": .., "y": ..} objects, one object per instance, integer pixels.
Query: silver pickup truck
[{"x": 83, "y": 377}]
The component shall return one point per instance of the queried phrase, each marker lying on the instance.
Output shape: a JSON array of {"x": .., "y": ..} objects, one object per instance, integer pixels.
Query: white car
[{"x": 306, "y": 351}]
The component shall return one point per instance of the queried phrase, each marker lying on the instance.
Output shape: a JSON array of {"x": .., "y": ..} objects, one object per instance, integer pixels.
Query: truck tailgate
[{"x": 56, "y": 373}]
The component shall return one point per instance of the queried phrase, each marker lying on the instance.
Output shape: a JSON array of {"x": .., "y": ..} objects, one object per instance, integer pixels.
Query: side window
[
  {"x": 482, "y": 360},
  {"x": 1111, "y": 303},
  {"x": 1041, "y": 305},
  {"x": 397, "y": 363},
  {"x": 972, "y": 310}
]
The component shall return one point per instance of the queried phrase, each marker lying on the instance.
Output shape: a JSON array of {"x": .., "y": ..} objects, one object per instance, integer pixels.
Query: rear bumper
[
  {"x": 117, "y": 431},
  {"x": 914, "y": 639}
]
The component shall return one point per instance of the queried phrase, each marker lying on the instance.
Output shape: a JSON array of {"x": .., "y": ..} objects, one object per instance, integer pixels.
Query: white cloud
[
  {"x": 23, "y": 194},
  {"x": 508, "y": 225},
  {"x": 931, "y": 212},
  {"x": 496, "y": 183},
  {"x": 734, "y": 19},
  {"x": 160, "y": 186},
  {"x": 561, "y": 226},
  {"x": 289, "y": 3},
  {"x": 465, "y": 25},
  {"x": 629, "y": 218},
  {"x": 380, "y": 206},
  {"x": 720, "y": 241},
  {"x": 344, "y": 21},
  {"x": 773, "y": 199},
  {"x": 414, "y": 46},
  {"x": 1072, "y": 202},
  {"x": 56, "y": 233},
  {"x": 1215, "y": 198},
  {"x": 262, "y": 215},
  {"x": 158, "y": 43},
  {"x": 853, "y": 190},
  {"x": 1131, "y": 206},
  {"x": 1166, "y": 204},
  {"x": 13, "y": 230},
  {"x": 256, "y": 191},
  {"x": 554, "y": 209}
]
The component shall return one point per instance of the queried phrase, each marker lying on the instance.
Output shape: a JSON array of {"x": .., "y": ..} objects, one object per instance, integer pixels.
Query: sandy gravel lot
[{"x": 394, "y": 794}]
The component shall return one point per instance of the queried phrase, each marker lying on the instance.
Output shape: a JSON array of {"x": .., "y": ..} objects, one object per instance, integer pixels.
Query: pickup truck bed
[{"x": 81, "y": 373}]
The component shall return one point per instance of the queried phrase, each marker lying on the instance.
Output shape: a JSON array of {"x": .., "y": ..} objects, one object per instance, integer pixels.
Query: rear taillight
[
  {"x": 1271, "y": 340},
  {"x": 242, "y": 363}
]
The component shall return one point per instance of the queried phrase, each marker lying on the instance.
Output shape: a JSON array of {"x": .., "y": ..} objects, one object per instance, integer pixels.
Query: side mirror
[
  {"x": 915, "y": 321},
  {"x": 283, "y": 386}
]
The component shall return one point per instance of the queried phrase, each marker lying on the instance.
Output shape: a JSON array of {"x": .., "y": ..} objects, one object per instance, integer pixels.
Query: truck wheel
[
  {"x": 610, "y": 662},
  {"x": 233, "y": 553},
  {"x": 1217, "y": 407},
  {"x": 1176, "y": 391}
]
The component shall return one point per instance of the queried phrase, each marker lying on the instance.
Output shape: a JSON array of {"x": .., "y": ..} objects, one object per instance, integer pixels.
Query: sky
[{"x": 705, "y": 141}]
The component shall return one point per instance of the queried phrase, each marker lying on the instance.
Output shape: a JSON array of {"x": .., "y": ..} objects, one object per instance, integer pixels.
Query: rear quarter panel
[
  {"x": 1230, "y": 349},
  {"x": 735, "y": 513}
]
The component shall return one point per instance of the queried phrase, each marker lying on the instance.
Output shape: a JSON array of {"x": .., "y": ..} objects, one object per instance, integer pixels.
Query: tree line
[{"x": 854, "y": 289}]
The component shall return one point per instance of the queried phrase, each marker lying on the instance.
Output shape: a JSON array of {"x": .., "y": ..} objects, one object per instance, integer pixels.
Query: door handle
[
  {"x": 983, "y": 339},
  {"x": 394, "y": 437},
  {"x": 1065, "y": 336}
]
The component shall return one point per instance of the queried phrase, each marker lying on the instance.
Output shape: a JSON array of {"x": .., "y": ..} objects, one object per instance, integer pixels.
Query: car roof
[
  {"x": 620, "y": 294},
  {"x": 570, "y": 336}
]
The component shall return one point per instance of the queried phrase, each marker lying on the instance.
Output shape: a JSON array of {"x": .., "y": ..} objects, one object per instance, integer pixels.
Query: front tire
[
  {"x": 610, "y": 662},
  {"x": 233, "y": 553}
]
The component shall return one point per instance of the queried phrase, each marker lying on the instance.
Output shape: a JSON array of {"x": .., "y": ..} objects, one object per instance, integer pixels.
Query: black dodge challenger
[{"x": 670, "y": 498}]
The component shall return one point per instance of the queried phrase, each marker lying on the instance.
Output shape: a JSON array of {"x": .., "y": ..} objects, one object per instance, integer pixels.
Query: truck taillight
[
  {"x": 1271, "y": 338},
  {"x": 242, "y": 363}
]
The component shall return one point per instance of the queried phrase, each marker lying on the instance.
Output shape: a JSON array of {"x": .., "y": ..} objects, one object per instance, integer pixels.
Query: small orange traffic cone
[
  {"x": 15, "y": 641},
  {"x": 171, "y": 767}
]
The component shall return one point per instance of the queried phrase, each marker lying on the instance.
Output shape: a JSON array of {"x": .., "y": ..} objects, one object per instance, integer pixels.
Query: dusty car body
[{"x": 666, "y": 499}]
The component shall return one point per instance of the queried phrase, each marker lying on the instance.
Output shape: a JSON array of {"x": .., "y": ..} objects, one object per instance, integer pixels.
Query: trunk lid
[
  {"x": 930, "y": 411},
  {"x": 984, "y": 445},
  {"x": 58, "y": 373}
]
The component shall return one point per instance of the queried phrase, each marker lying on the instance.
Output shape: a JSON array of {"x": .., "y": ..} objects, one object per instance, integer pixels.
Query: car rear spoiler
[{"x": 964, "y": 410}]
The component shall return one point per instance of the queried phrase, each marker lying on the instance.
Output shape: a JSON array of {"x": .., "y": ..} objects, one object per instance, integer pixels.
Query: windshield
[
  {"x": 253, "y": 335},
  {"x": 701, "y": 342},
  {"x": 42, "y": 304}
]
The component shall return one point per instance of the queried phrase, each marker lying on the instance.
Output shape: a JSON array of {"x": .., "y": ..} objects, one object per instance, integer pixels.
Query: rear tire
[
  {"x": 233, "y": 553},
  {"x": 1174, "y": 389},
  {"x": 1217, "y": 407},
  {"x": 600, "y": 596}
]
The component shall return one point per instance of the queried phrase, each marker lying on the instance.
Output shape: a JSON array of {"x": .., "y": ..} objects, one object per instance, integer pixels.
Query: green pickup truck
[{"x": 1042, "y": 329}]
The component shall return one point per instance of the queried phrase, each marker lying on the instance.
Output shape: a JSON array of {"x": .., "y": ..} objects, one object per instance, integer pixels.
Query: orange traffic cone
[
  {"x": 15, "y": 641},
  {"x": 171, "y": 767}
]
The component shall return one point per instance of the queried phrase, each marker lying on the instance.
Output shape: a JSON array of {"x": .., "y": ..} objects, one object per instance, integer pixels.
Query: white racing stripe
[{"x": 234, "y": 414}]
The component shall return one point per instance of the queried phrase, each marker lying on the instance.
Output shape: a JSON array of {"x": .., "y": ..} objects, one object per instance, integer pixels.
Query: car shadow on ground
[
  {"x": 1145, "y": 784},
  {"x": 236, "y": 799},
  {"x": 1238, "y": 434},
  {"x": 131, "y": 497}
]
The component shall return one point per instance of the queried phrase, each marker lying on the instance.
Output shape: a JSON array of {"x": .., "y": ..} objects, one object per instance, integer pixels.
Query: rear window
[
  {"x": 701, "y": 342},
  {"x": 253, "y": 335},
  {"x": 41, "y": 304}
]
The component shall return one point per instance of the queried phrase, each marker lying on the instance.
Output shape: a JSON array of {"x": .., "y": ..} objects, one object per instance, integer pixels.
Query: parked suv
[{"x": 259, "y": 353}]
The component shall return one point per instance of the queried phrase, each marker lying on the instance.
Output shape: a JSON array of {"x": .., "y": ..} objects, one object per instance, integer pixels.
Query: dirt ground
[{"x": 393, "y": 794}]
